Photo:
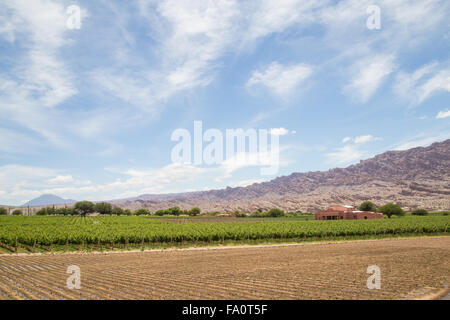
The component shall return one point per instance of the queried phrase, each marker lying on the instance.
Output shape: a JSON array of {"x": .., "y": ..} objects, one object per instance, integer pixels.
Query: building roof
[{"x": 339, "y": 208}]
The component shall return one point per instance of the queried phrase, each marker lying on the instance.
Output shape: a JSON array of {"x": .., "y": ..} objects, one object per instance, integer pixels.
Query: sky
[{"x": 91, "y": 92}]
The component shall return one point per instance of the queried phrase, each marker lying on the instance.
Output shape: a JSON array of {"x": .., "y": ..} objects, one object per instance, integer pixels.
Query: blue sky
[{"x": 88, "y": 113}]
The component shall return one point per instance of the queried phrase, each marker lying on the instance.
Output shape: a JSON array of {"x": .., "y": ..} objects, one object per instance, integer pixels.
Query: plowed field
[{"x": 309, "y": 271}]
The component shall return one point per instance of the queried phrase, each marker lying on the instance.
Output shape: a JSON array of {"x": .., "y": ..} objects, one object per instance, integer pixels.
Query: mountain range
[{"x": 414, "y": 178}]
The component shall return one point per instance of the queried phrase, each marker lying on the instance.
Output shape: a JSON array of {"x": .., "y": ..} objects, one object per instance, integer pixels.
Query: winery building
[{"x": 346, "y": 213}]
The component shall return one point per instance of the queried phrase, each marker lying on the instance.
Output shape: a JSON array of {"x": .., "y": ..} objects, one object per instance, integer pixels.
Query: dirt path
[{"x": 410, "y": 268}]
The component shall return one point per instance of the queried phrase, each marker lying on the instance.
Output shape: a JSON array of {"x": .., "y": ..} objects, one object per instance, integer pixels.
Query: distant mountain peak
[{"x": 47, "y": 200}]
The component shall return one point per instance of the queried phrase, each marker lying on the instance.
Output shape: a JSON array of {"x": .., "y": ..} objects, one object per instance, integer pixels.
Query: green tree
[
  {"x": 275, "y": 213},
  {"x": 176, "y": 211},
  {"x": 141, "y": 212},
  {"x": 62, "y": 211},
  {"x": 127, "y": 212},
  {"x": 368, "y": 206},
  {"x": 42, "y": 212},
  {"x": 420, "y": 212},
  {"x": 17, "y": 212},
  {"x": 103, "y": 208},
  {"x": 84, "y": 207},
  {"x": 256, "y": 214},
  {"x": 161, "y": 212},
  {"x": 239, "y": 214},
  {"x": 117, "y": 211},
  {"x": 391, "y": 209},
  {"x": 3, "y": 212},
  {"x": 194, "y": 211}
]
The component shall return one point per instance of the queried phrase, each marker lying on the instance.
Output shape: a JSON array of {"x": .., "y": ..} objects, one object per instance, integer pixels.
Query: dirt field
[{"x": 409, "y": 268}]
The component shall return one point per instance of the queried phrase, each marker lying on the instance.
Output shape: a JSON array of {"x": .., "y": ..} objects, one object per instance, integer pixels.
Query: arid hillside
[{"x": 418, "y": 177}]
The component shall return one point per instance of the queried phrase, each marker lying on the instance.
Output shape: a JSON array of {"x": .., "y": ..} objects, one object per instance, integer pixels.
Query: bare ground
[{"x": 410, "y": 269}]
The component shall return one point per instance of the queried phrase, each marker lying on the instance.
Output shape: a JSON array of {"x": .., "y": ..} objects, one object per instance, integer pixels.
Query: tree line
[
  {"x": 390, "y": 209},
  {"x": 104, "y": 208},
  {"x": 83, "y": 208}
]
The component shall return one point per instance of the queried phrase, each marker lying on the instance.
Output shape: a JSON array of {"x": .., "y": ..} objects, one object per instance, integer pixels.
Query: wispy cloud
[
  {"x": 443, "y": 114},
  {"x": 422, "y": 140},
  {"x": 281, "y": 79},
  {"x": 369, "y": 73},
  {"x": 352, "y": 152},
  {"x": 61, "y": 179},
  {"x": 361, "y": 139},
  {"x": 279, "y": 131},
  {"x": 422, "y": 83},
  {"x": 39, "y": 79},
  {"x": 346, "y": 154}
]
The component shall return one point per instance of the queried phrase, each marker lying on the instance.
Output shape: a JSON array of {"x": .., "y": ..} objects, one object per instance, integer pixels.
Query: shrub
[
  {"x": 3, "y": 212},
  {"x": 257, "y": 214},
  {"x": 117, "y": 211},
  {"x": 211, "y": 213},
  {"x": 127, "y": 212},
  {"x": 176, "y": 211},
  {"x": 274, "y": 213},
  {"x": 391, "y": 209},
  {"x": 63, "y": 211},
  {"x": 42, "y": 212},
  {"x": 368, "y": 206},
  {"x": 161, "y": 212},
  {"x": 239, "y": 214},
  {"x": 103, "y": 208},
  {"x": 17, "y": 212},
  {"x": 141, "y": 212},
  {"x": 194, "y": 211},
  {"x": 420, "y": 212}
]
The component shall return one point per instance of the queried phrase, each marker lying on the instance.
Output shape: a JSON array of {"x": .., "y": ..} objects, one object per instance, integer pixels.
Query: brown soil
[{"x": 310, "y": 271}]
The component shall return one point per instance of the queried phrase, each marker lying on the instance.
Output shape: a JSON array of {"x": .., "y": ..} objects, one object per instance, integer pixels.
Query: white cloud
[
  {"x": 39, "y": 80},
  {"x": 346, "y": 154},
  {"x": 43, "y": 74},
  {"x": 346, "y": 139},
  {"x": 422, "y": 140},
  {"x": 369, "y": 73},
  {"x": 443, "y": 114},
  {"x": 267, "y": 17},
  {"x": 248, "y": 159},
  {"x": 61, "y": 179},
  {"x": 366, "y": 138},
  {"x": 281, "y": 79},
  {"x": 190, "y": 37},
  {"x": 21, "y": 183},
  {"x": 279, "y": 131},
  {"x": 362, "y": 139},
  {"x": 422, "y": 83},
  {"x": 14, "y": 175}
]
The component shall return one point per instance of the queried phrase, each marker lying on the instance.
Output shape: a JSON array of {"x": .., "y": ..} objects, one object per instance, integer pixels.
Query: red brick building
[{"x": 346, "y": 213}]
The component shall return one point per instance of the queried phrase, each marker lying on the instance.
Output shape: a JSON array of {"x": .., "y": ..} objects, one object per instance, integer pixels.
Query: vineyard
[{"x": 50, "y": 233}]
